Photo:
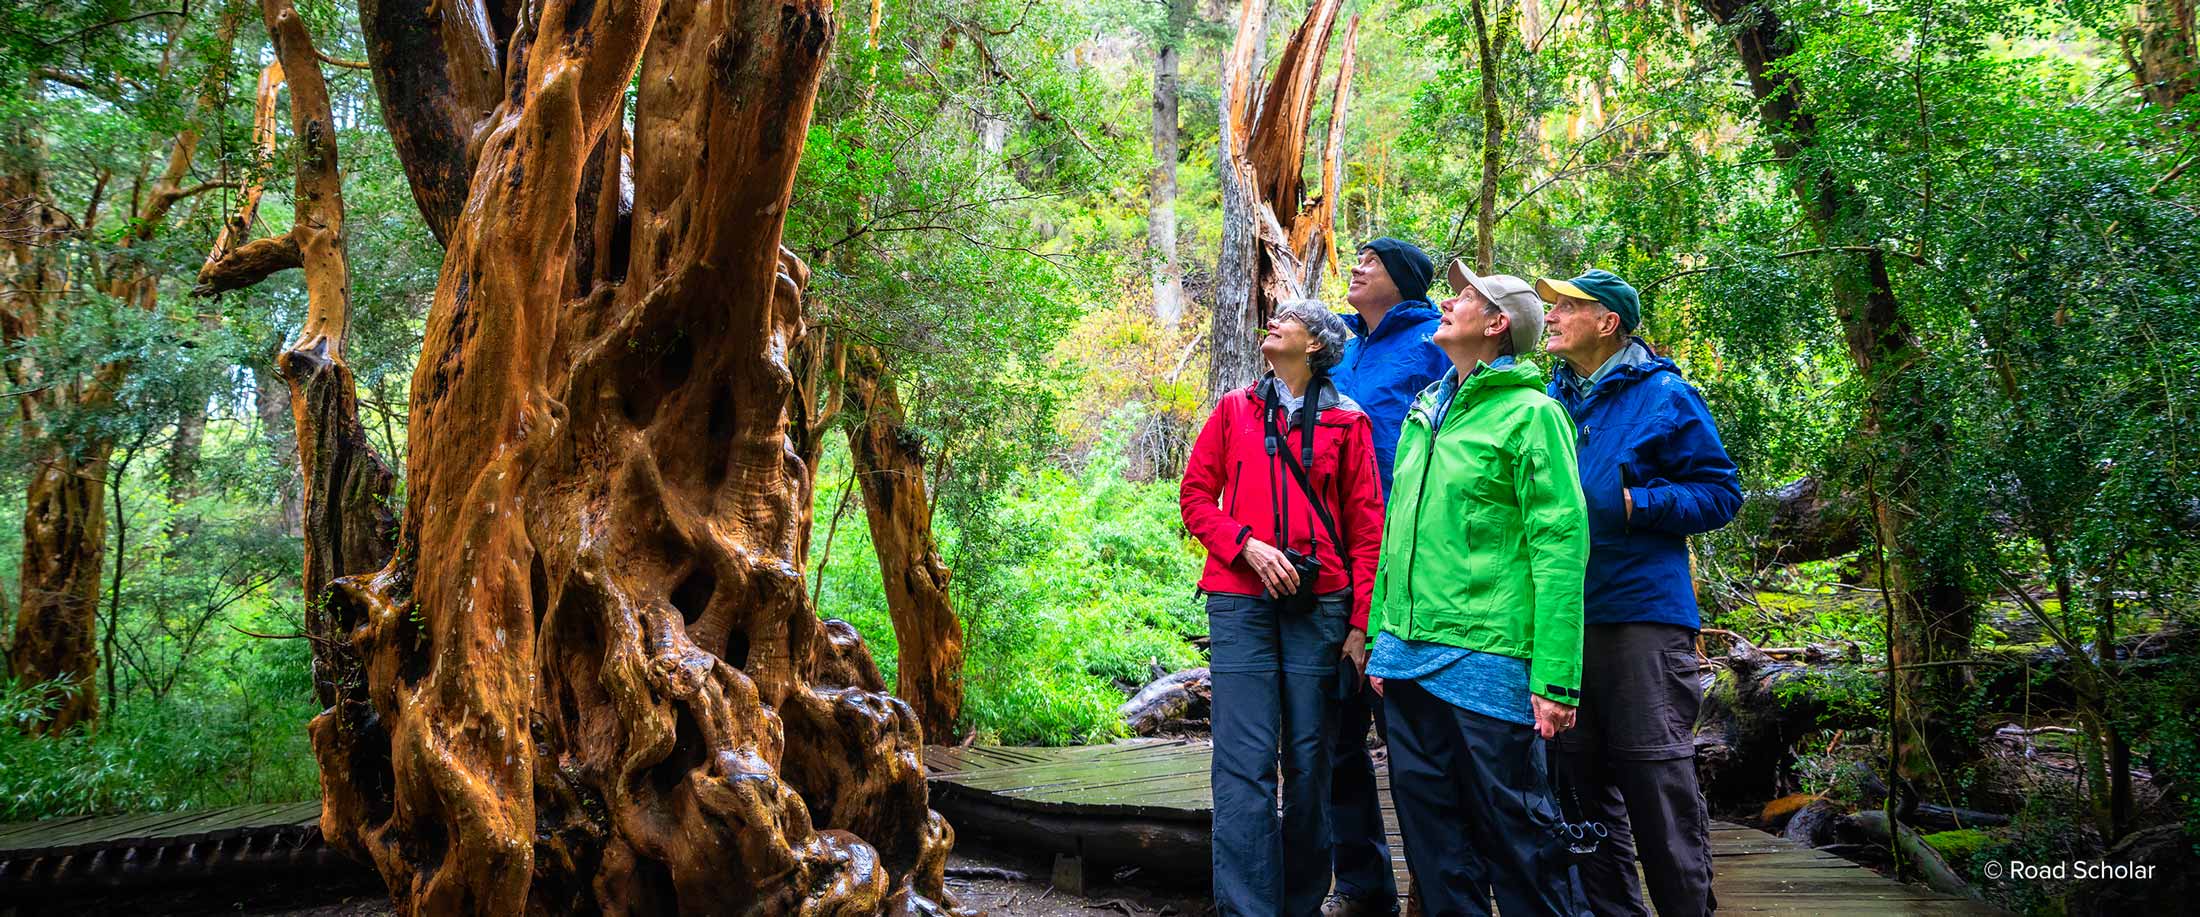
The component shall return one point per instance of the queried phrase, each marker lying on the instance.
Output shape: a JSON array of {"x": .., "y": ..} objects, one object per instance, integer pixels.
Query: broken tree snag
[
  {"x": 1313, "y": 233},
  {"x": 592, "y": 655},
  {"x": 889, "y": 461},
  {"x": 1263, "y": 154}
]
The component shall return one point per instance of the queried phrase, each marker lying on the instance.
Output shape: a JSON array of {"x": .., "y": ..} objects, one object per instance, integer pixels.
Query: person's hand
[
  {"x": 1355, "y": 649},
  {"x": 1274, "y": 569},
  {"x": 1627, "y": 496},
  {"x": 1376, "y": 683},
  {"x": 1551, "y": 717}
]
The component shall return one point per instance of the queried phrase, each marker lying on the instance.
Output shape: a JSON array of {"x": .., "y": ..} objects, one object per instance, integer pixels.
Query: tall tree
[
  {"x": 596, "y": 678},
  {"x": 1932, "y": 612},
  {"x": 1265, "y": 261},
  {"x": 346, "y": 517},
  {"x": 1168, "y": 277},
  {"x": 64, "y": 532},
  {"x": 2163, "y": 49},
  {"x": 889, "y": 464}
]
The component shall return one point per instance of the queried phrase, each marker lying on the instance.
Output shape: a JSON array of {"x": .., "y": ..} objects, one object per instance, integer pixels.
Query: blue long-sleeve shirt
[{"x": 1383, "y": 370}]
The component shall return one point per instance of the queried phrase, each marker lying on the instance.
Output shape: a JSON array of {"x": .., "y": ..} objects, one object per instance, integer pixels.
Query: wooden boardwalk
[
  {"x": 113, "y": 851},
  {"x": 1142, "y": 804},
  {"x": 1147, "y": 804}
]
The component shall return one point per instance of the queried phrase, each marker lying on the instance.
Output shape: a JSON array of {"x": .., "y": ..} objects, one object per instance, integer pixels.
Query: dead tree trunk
[
  {"x": 1168, "y": 282},
  {"x": 889, "y": 461},
  {"x": 591, "y": 658},
  {"x": 1933, "y": 615},
  {"x": 1265, "y": 261}
]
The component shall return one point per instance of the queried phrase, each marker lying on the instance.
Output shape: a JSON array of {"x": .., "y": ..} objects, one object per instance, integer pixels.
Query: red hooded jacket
[{"x": 1232, "y": 486}]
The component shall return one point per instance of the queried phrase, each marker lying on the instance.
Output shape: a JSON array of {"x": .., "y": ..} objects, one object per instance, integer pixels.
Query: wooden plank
[{"x": 24, "y": 835}]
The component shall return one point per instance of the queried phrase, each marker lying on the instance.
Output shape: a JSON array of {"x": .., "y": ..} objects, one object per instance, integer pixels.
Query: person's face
[
  {"x": 1577, "y": 324},
  {"x": 1287, "y": 341},
  {"x": 1465, "y": 319},
  {"x": 1371, "y": 286}
]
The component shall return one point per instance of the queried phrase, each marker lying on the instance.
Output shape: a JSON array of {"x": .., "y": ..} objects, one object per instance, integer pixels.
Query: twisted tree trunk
[
  {"x": 1933, "y": 616},
  {"x": 889, "y": 460},
  {"x": 1265, "y": 261},
  {"x": 590, "y": 661}
]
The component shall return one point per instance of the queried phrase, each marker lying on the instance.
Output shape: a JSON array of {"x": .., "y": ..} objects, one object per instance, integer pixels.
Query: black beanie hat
[{"x": 1409, "y": 267}]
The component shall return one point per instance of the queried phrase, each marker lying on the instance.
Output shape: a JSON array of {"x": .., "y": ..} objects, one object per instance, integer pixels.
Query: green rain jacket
[{"x": 1486, "y": 538}]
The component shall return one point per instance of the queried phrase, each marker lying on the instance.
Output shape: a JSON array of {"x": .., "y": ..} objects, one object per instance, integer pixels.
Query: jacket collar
[
  {"x": 1409, "y": 312},
  {"x": 1324, "y": 391},
  {"x": 1521, "y": 373},
  {"x": 1565, "y": 380}
]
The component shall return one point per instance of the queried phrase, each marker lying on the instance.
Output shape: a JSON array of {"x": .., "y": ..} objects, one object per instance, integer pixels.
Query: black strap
[{"x": 1299, "y": 472}]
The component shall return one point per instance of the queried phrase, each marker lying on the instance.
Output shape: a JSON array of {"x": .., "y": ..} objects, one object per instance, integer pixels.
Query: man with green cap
[{"x": 1652, "y": 473}]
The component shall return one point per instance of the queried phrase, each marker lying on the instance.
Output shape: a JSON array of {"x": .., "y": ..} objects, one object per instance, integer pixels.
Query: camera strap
[{"x": 1298, "y": 473}]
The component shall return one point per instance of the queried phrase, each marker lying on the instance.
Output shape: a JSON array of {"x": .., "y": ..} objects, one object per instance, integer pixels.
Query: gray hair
[{"x": 1324, "y": 325}]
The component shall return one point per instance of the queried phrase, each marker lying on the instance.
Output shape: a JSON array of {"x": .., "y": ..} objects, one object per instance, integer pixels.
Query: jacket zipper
[
  {"x": 1230, "y": 509},
  {"x": 1420, "y": 497}
]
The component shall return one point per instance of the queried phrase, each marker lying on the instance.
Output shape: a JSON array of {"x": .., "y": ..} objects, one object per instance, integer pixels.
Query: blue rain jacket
[
  {"x": 1385, "y": 370},
  {"x": 1645, "y": 429}
]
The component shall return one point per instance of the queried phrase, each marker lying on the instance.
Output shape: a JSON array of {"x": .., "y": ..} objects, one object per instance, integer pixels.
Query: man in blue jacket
[
  {"x": 1388, "y": 361},
  {"x": 1652, "y": 473}
]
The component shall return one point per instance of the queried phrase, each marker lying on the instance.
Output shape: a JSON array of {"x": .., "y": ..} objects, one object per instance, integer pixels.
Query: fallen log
[
  {"x": 1809, "y": 521},
  {"x": 1172, "y": 698},
  {"x": 1937, "y": 873},
  {"x": 1756, "y": 708}
]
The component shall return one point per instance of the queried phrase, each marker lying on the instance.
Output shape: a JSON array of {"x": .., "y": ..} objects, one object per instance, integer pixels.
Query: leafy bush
[{"x": 233, "y": 734}]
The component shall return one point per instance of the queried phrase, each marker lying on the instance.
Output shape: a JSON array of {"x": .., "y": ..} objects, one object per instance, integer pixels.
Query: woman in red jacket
[{"x": 1287, "y": 577}]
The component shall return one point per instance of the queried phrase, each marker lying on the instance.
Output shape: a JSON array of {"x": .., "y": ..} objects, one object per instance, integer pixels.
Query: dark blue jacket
[
  {"x": 1385, "y": 370},
  {"x": 1646, "y": 429}
]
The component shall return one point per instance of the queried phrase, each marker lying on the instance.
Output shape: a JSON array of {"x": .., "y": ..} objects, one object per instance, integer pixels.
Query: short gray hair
[{"x": 1324, "y": 325}]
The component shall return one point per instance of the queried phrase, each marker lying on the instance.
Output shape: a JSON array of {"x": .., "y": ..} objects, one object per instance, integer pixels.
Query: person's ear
[
  {"x": 1500, "y": 325},
  {"x": 1613, "y": 327}
]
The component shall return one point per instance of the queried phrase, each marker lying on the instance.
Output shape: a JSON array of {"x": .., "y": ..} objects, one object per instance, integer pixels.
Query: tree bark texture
[
  {"x": 2163, "y": 49},
  {"x": 1265, "y": 261},
  {"x": 1933, "y": 614},
  {"x": 64, "y": 527},
  {"x": 889, "y": 462},
  {"x": 1168, "y": 279},
  {"x": 591, "y": 662},
  {"x": 1493, "y": 140}
]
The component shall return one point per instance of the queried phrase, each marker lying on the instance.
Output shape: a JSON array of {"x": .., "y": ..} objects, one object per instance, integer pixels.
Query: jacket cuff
[
  {"x": 1649, "y": 506},
  {"x": 1554, "y": 680},
  {"x": 1559, "y": 693},
  {"x": 1227, "y": 552}
]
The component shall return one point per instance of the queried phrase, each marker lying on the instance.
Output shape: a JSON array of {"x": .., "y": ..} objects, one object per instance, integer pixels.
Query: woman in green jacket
[{"x": 1476, "y": 616}]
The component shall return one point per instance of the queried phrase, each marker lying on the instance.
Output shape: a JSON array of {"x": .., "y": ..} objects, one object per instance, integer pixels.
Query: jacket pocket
[{"x": 1229, "y": 504}]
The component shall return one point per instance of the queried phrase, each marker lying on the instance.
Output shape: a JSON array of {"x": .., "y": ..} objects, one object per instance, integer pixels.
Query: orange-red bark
[{"x": 591, "y": 660}]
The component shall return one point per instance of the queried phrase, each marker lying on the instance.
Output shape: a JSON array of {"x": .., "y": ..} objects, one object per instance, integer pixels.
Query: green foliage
[{"x": 1099, "y": 591}]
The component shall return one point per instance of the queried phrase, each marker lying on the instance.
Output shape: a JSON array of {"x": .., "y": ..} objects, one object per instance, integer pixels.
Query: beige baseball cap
[{"x": 1512, "y": 296}]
